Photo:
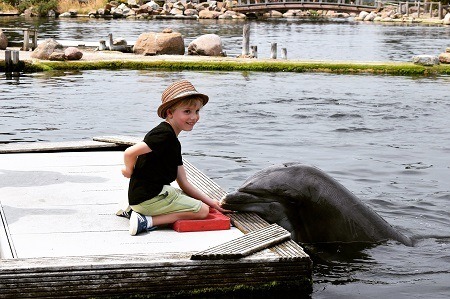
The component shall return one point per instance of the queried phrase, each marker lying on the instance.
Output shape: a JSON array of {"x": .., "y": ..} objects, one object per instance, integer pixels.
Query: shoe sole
[{"x": 134, "y": 223}]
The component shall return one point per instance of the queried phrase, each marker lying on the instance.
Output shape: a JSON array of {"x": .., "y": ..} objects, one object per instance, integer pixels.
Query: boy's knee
[{"x": 203, "y": 212}]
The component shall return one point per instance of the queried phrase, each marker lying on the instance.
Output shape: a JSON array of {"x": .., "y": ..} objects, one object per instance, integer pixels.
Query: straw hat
[{"x": 177, "y": 91}]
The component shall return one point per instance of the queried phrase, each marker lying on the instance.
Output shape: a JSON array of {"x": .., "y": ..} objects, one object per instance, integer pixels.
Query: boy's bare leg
[{"x": 171, "y": 218}]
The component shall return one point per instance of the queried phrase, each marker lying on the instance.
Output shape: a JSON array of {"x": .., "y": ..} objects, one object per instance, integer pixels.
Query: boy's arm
[
  {"x": 130, "y": 156},
  {"x": 192, "y": 191}
]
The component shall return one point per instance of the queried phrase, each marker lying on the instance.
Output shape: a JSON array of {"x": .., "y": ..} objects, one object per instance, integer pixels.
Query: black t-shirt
[{"x": 157, "y": 168}]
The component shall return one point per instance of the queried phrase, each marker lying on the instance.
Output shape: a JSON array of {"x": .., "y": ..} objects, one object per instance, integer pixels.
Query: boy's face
[{"x": 184, "y": 116}]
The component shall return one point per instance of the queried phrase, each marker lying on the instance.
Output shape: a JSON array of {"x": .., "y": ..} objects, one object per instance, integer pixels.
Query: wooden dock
[
  {"x": 29, "y": 40},
  {"x": 59, "y": 236}
]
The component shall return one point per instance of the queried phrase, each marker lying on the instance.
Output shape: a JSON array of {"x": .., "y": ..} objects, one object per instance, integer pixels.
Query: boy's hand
[
  {"x": 220, "y": 209},
  {"x": 126, "y": 172}
]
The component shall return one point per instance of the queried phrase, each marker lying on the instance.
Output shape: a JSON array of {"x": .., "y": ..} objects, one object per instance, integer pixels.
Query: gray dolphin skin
[{"x": 310, "y": 204}]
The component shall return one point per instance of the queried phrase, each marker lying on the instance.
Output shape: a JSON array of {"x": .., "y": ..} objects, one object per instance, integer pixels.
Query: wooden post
[
  {"x": 26, "y": 39},
  {"x": 8, "y": 61},
  {"x": 283, "y": 53},
  {"x": 34, "y": 39},
  {"x": 11, "y": 61},
  {"x": 246, "y": 40},
  {"x": 407, "y": 8},
  {"x": 273, "y": 51},
  {"x": 440, "y": 10},
  {"x": 418, "y": 9},
  {"x": 254, "y": 51},
  {"x": 15, "y": 59}
]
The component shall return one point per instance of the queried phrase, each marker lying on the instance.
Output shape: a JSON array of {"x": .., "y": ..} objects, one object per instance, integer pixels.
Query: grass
[
  {"x": 66, "y": 5},
  {"x": 5, "y": 7},
  {"x": 398, "y": 69}
]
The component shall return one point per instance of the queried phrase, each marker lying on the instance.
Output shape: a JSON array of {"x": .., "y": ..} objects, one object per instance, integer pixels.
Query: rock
[
  {"x": 426, "y": 60},
  {"x": 65, "y": 15},
  {"x": 191, "y": 12},
  {"x": 444, "y": 57},
  {"x": 51, "y": 13},
  {"x": 206, "y": 45},
  {"x": 176, "y": 11},
  {"x": 447, "y": 50},
  {"x": 166, "y": 8},
  {"x": 117, "y": 13},
  {"x": 152, "y": 43},
  {"x": 144, "y": 9},
  {"x": 3, "y": 40},
  {"x": 446, "y": 20},
  {"x": 46, "y": 48},
  {"x": 189, "y": 5},
  {"x": 179, "y": 5},
  {"x": 273, "y": 14},
  {"x": 57, "y": 56},
  {"x": 362, "y": 15},
  {"x": 228, "y": 15},
  {"x": 208, "y": 14},
  {"x": 29, "y": 12},
  {"x": 370, "y": 17},
  {"x": 153, "y": 5},
  {"x": 73, "y": 53}
]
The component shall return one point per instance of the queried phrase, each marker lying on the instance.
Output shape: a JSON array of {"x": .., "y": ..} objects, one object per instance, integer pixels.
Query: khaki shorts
[{"x": 169, "y": 200}]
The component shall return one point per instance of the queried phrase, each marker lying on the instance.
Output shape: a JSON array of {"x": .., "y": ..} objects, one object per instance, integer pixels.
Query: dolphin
[{"x": 312, "y": 205}]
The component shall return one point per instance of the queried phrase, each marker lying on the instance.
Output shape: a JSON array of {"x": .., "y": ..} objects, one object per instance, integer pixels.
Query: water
[
  {"x": 385, "y": 138},
  {"x": 304, "y": 39}
]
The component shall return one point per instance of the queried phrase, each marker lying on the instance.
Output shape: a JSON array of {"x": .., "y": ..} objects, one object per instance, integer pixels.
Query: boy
[{"x": 156, "y": 162}]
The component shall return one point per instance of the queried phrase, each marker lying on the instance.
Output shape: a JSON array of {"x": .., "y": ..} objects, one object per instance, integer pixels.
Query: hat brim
[{"x": 163, "y": 108}]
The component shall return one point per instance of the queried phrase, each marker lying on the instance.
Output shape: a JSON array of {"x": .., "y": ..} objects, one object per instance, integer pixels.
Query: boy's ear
[{"x": 169, "y": 112}]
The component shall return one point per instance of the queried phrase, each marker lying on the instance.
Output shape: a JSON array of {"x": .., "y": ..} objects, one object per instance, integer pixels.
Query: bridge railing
[{"x": 372, "y": 3}]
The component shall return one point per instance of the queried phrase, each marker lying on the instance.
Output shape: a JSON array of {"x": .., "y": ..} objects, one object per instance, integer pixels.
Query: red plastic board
[{"x": 214, "y": 221}]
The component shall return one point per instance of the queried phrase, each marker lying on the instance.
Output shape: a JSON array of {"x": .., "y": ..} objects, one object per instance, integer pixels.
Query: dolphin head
[{"x": 268, "y": 206}]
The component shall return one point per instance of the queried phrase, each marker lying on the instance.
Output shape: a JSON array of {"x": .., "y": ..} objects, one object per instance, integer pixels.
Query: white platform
[{"x": 64, "y": 204}]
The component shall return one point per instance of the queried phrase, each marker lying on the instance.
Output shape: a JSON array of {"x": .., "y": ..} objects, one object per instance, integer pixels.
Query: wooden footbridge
[
  {"x": 355, "y": 6},
  {"x": 257, "y": 6}
]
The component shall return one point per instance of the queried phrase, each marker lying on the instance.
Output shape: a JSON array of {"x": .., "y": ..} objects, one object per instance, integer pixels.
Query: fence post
[
  {"x": 254, "y": 51},
  {"x": 273, "y": 51},
  {"x": 15, "y": 59},
  {"x": 283, "y": 53},
  {"x": 246, "y": 40},
  {"x": 26, "y": 39},
  {"x": 8, "y": 61},
  {"x": 440, "y": 10}
]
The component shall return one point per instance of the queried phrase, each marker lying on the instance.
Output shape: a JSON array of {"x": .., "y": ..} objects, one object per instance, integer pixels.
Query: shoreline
[{"x": 95, "y": 60}]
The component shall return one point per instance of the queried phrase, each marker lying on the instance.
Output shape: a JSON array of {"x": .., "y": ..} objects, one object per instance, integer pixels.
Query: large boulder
[
  {"x": 3, "y": 41},
  {"x": 444, "y": 57},
  {"x": 446, "y": 20},
  {"x": 46, "y": 48},
  {"x": 153, "y": 43},
  {"x": 427, "y": 60},
  {"x": 206, "y": 45}
]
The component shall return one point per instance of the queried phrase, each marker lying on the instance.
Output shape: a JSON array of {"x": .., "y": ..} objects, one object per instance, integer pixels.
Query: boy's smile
[{"x": 184, "y": 117}]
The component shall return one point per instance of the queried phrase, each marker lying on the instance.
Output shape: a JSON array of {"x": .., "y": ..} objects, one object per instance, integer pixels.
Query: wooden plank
[
  {"x": 7, "y": 250},
  {"x": 143, "y": 274},
  {"x": 245, "y": 245},
  {"x": 55, "y": 146}
]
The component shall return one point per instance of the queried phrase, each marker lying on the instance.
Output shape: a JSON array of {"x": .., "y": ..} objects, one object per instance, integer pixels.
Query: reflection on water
[
  {"x": 385, "y": 138},
  {"x": 304, "y": 39}
]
